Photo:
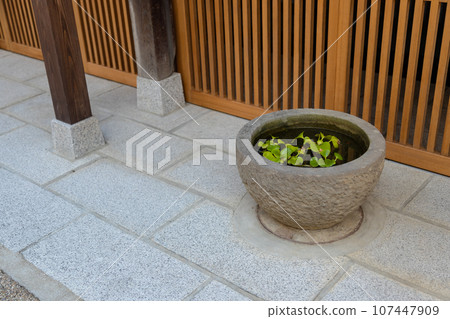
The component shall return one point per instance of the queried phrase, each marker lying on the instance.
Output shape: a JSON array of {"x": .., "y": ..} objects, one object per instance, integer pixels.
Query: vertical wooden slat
[
  {"x": 104, "y": 36},
  {"x": 92, "y": 35},
  {"x": 116, "y": 36},
  {"x": 108, "y": 28},
  {"x": 211, "y": 45},
  {"x": 267, "y": 69},
  {"x": 25, "y": 25},
  {"x": 202, "y": 44},
  {"x": 87, "y": 38},
  {"x": 358, "y": 57},
  {"x": 247, "y": 31},
  {"x": 256, "y": 29},
  {"x": 98, "y": 32},
  {"x": 425, "y": 82},
  {"x": 237, "y": 27},
  {"x": 371, "y": 59},
  {"x": 20, "y": 36},
  {"x": 297, "y": 56},
  {"x": 184, "y": 44},
  {"x": 439, "y": 91},
  {"x": 446, "y": 140},
  {"x": 228, "y": 27},
  {"x": 276, "y": 59},
  {"x": 119, "y": 14},
  {"x": 30, "y": 20},
  {"x": 384, "y": 63},
  {"x": 129, "y": 35},
  {"x": 412, "y": 71},
  {"x": 320, "y": 49},
  {"x": 194, "y": 39},
  {"x": 333, "y": 22},
  {"x": 221, "y": 73},
  {"x": 309, "y": 45},
  {"x": 343, "y": 56},
  {"x": 398, "y": 68},
  {"x": 287, "y": 57}
]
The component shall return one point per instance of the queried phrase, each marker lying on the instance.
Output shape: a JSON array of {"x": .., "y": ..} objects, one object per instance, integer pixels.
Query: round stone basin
[{"x": 304, "y": 197}]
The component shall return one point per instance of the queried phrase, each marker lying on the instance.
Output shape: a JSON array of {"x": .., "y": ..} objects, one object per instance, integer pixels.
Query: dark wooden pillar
[
  {"x": 153, "y": 37},
  {"x": 59, "y": 42}
]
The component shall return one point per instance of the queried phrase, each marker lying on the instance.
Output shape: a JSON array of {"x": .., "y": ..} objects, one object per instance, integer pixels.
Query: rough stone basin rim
[{"x": 305, "y": 197}]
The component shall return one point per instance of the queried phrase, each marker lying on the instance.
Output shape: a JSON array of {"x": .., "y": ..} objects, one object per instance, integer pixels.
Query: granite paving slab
[
  {"x": 21, "y": 68},
  {"x": 80, "y": 255},
  {"x": 360, "y": 280},
  {"x": 216, "y": 291},
  {"x": 123, "y": 101},
  {"x": 27, "y": 150},
  {"x": 117, "y": 131},
  {"x": 29, "y": 212},
  {"x": 39, "y": 111},
  {"x": 125, "y": 196},
  {"x": 8, "y": 123},
  {"x": 205, "y": 236},
  {"x": 433, "y": 202},
  {"x": 215, "y": 177},
  {"x": 413, "y": 251},
  {"x": 13, "y": 92},
  {"x": 398, "y": 183}
]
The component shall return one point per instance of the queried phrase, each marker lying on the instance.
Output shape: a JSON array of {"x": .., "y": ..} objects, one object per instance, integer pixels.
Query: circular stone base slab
[{"x": 322, "y": 236}]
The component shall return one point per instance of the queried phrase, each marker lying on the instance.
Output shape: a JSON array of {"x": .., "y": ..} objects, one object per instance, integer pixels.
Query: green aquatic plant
[{"x": 303, "y": 150}]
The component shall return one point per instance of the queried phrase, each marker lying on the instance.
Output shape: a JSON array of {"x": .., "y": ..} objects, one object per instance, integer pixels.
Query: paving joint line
[
  {"x": 422, "y": 220},
  {"x": 21, "y": 101},
  {"x": 417, "y": 191},
  {"x": 193, "y": 293},
  {"x": 203, "y": 270},
  {"x": 393, "y": 277},
  {"x": 340, "y": 274},
  {"x": 57, "y": 230}
]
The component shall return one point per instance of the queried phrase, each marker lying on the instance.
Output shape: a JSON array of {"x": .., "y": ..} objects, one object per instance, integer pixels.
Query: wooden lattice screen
[
  {"x": 390, "y": 68},
  {"x": 102, "y": 56}
]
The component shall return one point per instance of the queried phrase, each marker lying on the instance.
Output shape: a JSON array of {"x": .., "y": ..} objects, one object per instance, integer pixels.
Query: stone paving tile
[
  {"x": 21, "y": 68},
  {"x": 4, "y": 53},
  {"x": 122, "y": 101},
  {"x": 433, "y": 202},
  {"x": 362, "y": 282},
  {"x": 95, "y": 84},
  {"x": 398, "y": 183},
  {"x": 216, "y": 291},
  {"x": 28, "y": 212},
  {"x": 39, "y": 111},
  {"x": 411, "y": 250},
  {"x": 132, "y": 199},
  {"x": 206, "y": 237},
  {"x": 78, "y": 256},
  {"x": 118, "y": 130},
  {"x": 27, "y": 150},
  {"x": 214, "y": 125},
  {"x": 8, "y": 123},
  {"x": 215, "y": 178},
  {"x": 12, "y": 92}
]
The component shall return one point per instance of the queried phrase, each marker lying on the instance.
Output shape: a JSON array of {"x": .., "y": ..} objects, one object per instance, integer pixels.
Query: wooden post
[
  {"x": 59, "y": 42},
  {"x": 159, "y": 88},
  {"x": 153, "y": 37}
]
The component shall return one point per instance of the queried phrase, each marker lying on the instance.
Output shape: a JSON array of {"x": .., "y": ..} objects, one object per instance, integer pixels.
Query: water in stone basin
[{"x": 349, "y": 148}]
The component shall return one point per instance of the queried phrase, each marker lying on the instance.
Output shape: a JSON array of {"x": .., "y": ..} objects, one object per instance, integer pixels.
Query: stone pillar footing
[
  {"x": 160, "y": 97},
  {"x": 76, "y": 140}
]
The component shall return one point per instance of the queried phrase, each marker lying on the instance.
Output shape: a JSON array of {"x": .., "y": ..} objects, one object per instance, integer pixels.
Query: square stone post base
[
  {"x": 160, "y": 97},
  {"x": 77, "y": 140}
]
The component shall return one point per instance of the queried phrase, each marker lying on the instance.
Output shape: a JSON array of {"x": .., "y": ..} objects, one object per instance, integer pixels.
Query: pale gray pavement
[{"x": 71, "y": 221}]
